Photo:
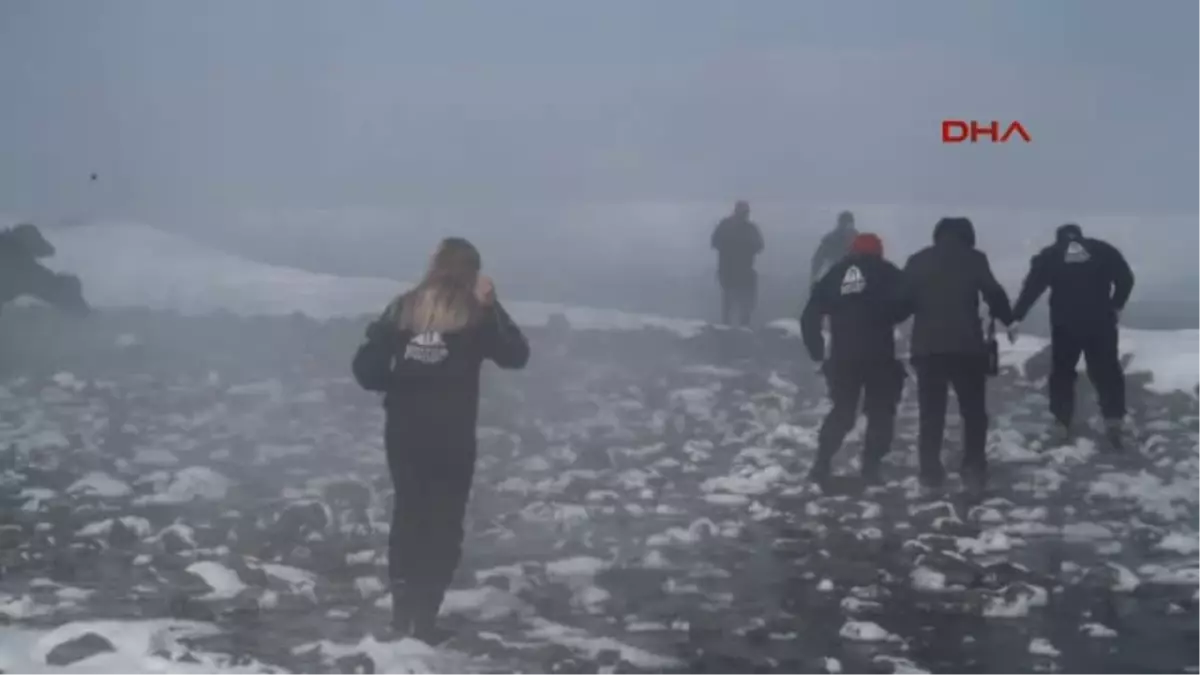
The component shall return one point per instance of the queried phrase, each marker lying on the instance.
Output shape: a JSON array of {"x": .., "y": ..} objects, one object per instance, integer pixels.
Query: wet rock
[
  {"x": 83, "y": 647},
  {"x": 355, "y": 663}
]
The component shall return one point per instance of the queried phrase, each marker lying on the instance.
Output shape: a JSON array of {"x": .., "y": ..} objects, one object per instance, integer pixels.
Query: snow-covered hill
[{"x": 133, "y": 265}]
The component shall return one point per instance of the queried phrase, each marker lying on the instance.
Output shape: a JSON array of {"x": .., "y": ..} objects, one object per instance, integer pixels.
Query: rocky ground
[{"x": 193, "y": 495}]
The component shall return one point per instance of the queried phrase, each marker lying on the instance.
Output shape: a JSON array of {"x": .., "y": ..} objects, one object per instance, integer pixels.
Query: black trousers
[
  {"x": 739, "y": 296},
  {"x": 879, "y": 385},
  {"x": 432, "y": 490},
  {"x": 1100, "y": 349},
  {"x": 968, "y": 375}
]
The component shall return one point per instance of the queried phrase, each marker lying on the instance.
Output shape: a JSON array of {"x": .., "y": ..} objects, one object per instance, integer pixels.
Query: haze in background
[{"x": 589, "y": 148}]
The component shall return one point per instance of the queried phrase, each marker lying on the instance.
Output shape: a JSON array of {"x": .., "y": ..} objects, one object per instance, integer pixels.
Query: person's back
[
  {"x": 834, "y": 246},
  {"x": 859, "y": 294},
  {"x": 738, "y": 241},
  {"x": 945, "y": 282},
  {"x": 424, "y": 354},
  {"x": 1089, "y": 281}
]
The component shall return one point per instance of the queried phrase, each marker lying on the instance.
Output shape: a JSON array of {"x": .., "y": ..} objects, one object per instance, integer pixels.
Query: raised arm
[
  {"x": 1035, "y": 284},
  {"x": 504, "y": 343},
  {"x": 372, "y": 364},
  {"x": 993, "y": 293},
  {"x": 810, "y": 323}
]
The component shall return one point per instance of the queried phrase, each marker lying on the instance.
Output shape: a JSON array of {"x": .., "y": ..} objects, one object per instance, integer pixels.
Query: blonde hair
[{"x": 445, "y": 299}]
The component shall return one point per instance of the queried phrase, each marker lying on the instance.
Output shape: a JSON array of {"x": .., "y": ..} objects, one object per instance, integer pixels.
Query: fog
[{"x": 589, "y": 148}]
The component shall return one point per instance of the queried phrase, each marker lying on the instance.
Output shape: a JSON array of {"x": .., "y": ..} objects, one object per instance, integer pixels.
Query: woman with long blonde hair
[{"x": 424, "y": 353}]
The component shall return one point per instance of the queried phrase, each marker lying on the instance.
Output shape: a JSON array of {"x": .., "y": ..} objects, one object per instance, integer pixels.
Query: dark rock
[
  {"x": 355, "y": 663},
  {"x": 83, "y": 647}
]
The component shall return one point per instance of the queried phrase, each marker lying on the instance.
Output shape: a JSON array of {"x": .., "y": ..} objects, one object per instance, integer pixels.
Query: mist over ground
[{"x": 590, "y": 149}]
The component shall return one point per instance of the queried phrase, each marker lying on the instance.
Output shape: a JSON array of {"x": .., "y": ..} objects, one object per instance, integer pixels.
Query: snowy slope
[
  {"x": 127, "y": 265},
  {"x": 132, "y": 265}
]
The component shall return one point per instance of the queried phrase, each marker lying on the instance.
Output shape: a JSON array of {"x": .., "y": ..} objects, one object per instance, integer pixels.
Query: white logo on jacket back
[
  {"x": 853, "y": 281},
  {"x": 426, "y": 348},
  {"x": 1076, "y": 253}
]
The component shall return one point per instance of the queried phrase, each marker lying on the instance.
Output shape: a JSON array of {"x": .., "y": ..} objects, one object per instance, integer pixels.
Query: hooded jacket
[
  {"x": 1089, "y": 281},
  {"x": 943, "y": 284},
  {"x": 430, "y": 381},
  {"x": 861, "y": 296}
]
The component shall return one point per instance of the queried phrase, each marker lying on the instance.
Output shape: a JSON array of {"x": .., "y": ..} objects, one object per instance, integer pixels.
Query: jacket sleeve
[
  {"x": 810, "y": 323},
  {"x": 373, "y": 362},
  {"x": 1035, "y": 284},
  {"x": 1122, "y": 276},
  {"x": 503, "y": 341},
  {"x": 757, "y": 244},
  {"x": 993, "y": 293},
  {"x": 718, "y": 235},
  {"x": 818, "y": 260},
  {"x": 900, "y": 304}
]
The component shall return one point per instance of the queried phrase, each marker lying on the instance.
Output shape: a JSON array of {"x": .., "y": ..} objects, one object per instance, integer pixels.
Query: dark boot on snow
[
  {"x": 424, "y": 619},
  {"x": 820, "y": 473},
  {"x": 402, "y": 608},
  {"x": 1114, "y": 433},
  {"x": 872, "y": 474},
  {"x": 1062, "y": 433}
]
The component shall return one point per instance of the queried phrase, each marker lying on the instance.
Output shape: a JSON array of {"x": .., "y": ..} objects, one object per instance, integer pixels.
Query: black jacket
[
  {"x": 861, "y": 295},
  {"x": 834, "y": 246},
  {"x": 1089, "y": 282},
  {"x": 430, "y": 381},
  {"x": 943, "y": 284},
  {"x": 738, "y": 242}
]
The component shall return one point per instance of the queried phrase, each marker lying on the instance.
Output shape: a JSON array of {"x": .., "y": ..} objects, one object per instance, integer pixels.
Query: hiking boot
[
  {"x": 974, "y": 482},
  {"x": 872, "y": 474},
  {"x": 932, "y": 477},
  {"x": 1062, "y": 433},
  {"x": 820, "y": 472},
  {"x": 1114, "y": 432},
  {"x": 402, "y": 608},
  {"x": 424, "y": 620}
]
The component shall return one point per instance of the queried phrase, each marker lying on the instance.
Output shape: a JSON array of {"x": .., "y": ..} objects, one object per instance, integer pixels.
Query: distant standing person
[
  {"x": 424, "y": 354},
  {"x": 861, "y": 296},
  {"x": 1089, "y": 282},
  {"x": 833, "y": 247},
  {"x": 944, "y": 283},
  {"x": 738, "y": 242}
]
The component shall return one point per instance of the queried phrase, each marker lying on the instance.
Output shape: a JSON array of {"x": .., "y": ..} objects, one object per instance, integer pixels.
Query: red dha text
[{"x": 958, "y": 131}]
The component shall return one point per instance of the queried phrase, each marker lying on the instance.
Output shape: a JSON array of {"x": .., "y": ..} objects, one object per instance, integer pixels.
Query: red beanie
[{"x": 867, "y": 243}]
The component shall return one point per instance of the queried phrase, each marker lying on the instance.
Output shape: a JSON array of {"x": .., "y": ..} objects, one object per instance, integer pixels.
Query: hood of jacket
[{"x": 956, "y": 230}]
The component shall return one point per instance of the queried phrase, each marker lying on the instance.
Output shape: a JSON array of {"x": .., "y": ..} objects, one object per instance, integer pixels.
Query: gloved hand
[{"x": 1013, "y": 330}]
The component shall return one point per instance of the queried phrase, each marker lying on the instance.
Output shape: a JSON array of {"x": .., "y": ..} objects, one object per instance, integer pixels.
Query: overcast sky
[{"x": 300, "y": 104}]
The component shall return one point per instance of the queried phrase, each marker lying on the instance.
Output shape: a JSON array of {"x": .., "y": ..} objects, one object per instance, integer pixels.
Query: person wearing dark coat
[
  {"x": 860, "y": 295},
  {"x": 833, "y": 247},
  {"x": 424, "y": 354},
  {"x": 738, "y": 241},
  {"x": 1089, "y": 282},
  {"x": 22, "y": 274},
  {"x": 943, "y": 283}
]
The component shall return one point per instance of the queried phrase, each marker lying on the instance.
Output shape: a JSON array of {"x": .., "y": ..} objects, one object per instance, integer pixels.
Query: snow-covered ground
[{"x": 208, "y": 492}]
